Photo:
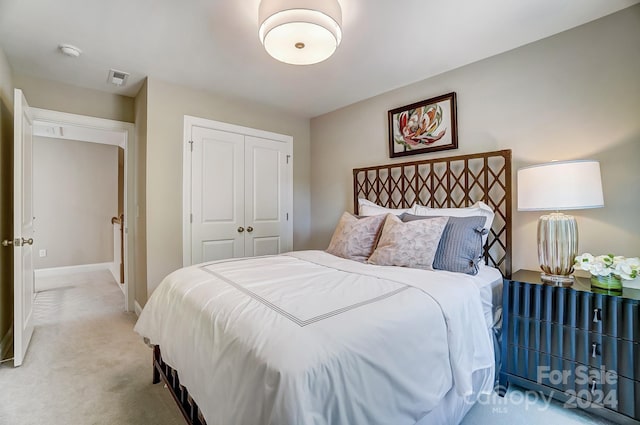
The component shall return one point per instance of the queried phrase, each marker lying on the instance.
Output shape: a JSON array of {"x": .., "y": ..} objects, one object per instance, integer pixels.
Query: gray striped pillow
[{"x": 460, "y": 247}]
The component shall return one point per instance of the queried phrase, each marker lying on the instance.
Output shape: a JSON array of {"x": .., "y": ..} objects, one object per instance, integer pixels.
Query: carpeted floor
[
  {"x": 520, "y": 407},
  {"x": 86, "y": 366}
]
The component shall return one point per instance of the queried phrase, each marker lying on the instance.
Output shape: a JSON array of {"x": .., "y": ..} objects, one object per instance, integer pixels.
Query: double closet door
[{"x": 241, "y": 192}]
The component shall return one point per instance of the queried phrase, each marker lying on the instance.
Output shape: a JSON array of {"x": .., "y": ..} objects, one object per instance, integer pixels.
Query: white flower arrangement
[{"x": 605, "y": 265}]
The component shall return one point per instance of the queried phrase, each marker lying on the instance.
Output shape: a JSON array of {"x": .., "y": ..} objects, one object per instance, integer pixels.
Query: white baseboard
[
  {"x": 6, "y": 343},
  {"x": 115, "y": 271},
  {"x": 137, "y": 307},
  {"x": 57, "y": 271}
]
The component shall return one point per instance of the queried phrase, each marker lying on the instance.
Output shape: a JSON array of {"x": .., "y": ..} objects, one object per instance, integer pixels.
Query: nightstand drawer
[
  {"x": 591, "y": 384},
  {"x": 561, "y": 341},
  {"x": 628, "y": 403},
  {"x": 588, "y": 348},
  {"x": 622, "y": 356},
  {"x": 536, "y": 366},
  {"x": 614, "y": 316}
]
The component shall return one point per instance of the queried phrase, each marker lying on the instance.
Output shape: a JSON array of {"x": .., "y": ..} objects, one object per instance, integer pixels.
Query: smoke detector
[
  {"x": 69, "y": 50},
  {"x": 117, "y": 78}
]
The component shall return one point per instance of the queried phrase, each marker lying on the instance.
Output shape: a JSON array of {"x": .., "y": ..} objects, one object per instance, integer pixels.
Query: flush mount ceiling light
[
  {"x": 300, "y": 32},
  {"x": 69, "y": 50}
]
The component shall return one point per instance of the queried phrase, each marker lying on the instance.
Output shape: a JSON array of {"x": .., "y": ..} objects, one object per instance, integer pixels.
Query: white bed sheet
[
  {"x": 312, "y": 338},
  {"x": 489, "y": 282},
  {"x": 454, "y": 407}
]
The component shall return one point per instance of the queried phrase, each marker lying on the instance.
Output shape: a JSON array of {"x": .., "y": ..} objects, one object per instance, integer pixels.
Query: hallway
[{"x": 85, "y": 364}]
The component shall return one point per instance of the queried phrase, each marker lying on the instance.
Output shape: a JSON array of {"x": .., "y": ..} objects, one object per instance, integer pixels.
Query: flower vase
[{"x": 608, "y": 282}]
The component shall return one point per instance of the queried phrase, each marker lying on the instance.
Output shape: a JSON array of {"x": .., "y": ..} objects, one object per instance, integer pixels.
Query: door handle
[
  {"x": 240, "y": 229},
  {"x": 9, "y": 242},
  {"x": 27, "y": 241},
  {"x": 249, "y": 229}
]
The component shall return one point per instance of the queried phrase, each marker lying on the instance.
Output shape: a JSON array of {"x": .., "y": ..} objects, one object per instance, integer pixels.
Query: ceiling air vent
[{"x": 118, "y": 78}]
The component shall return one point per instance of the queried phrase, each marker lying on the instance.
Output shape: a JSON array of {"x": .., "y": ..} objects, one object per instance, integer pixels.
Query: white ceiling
[{"x": 213, "y": 44}]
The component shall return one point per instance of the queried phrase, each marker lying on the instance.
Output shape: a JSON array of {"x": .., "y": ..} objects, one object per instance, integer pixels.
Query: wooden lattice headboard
[{"x": 452, "y": 182}]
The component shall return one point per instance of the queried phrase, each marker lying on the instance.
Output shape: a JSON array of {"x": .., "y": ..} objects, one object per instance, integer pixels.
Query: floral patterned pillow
[
  {"x": 355, "y": 238},
  {"x": 412, "y": 244}
]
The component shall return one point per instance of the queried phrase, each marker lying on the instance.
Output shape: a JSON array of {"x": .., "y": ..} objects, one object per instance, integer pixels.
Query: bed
[{"x": 311, "y": 338}]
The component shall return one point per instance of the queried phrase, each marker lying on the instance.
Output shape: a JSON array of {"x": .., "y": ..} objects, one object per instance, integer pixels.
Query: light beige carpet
[
  {"x": 85, "y": 365},
  {"x": 521, "y": 407}
]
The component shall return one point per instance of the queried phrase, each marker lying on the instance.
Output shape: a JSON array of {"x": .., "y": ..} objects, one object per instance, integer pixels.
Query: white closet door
[
  {"x": 217, "y": 195},
  {"x": 266, "y": 197}
]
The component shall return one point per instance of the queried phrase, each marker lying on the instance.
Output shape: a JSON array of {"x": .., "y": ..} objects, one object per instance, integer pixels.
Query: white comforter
[{"x": 310, "y": 338}]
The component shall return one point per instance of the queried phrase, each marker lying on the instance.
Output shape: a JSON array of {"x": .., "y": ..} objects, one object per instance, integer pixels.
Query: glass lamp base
[
  {"x": 557, "y": 280},
  {"x": 557, "y": 248}
]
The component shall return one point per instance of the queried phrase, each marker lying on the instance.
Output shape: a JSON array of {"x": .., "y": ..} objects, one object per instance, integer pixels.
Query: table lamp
[{"x": 555, "y": 186}]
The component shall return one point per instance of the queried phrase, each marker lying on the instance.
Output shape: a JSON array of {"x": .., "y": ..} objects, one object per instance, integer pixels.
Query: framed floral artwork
[{"x": 426, "y": 126}]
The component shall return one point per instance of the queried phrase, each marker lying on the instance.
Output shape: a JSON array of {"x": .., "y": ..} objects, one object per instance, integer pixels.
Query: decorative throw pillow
[
  {"x": 355, "y": 238},
  {"x": 411, "y": 244},
  {"x": 460, "y": 247},
  {"x": 479, "y": 208},
  {"x": 367, "y": 208}
]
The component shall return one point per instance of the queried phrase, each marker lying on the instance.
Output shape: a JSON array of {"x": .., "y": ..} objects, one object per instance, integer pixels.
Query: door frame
[
  {"x": 128, "y": 129},
  {"x": 189, "y": 123}
]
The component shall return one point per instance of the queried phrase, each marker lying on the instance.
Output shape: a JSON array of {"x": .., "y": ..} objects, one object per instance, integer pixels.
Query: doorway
[{"x": 110, "y": 136}]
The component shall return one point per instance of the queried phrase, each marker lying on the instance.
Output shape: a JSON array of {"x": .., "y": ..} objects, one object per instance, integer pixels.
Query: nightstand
[{"x": 577, "y": 345}]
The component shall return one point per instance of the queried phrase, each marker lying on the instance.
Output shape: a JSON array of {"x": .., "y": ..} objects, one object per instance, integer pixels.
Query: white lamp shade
[
  {"x": 300, "y": 32},
  {"x": 560, "y": 185}
]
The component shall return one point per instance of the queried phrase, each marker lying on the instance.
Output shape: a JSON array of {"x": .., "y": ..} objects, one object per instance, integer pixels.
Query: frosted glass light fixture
[
  {"x": 555, "y": 186},
  {"x": 300, "y": 32}
]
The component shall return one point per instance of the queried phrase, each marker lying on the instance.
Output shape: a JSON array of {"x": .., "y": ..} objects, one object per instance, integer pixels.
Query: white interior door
[
  {"x": 266, "y": 197},
  {"x": 22, "y": 227},
  {"x": 217, "y": 195}
]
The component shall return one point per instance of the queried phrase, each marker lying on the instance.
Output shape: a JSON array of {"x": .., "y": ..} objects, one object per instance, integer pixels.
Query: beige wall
[
  {"x": 140, "y": 235},
  {"x": 75, "y": 194},
  {"x": 575, "y": 95},
  {"x": 168, "y": 103},
  {"x": 6, "y": 199},
  {"x": 61, "y": 97}
]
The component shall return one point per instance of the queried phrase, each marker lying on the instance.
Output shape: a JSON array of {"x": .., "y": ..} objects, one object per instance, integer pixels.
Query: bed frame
[
  {"x": 451, "y": 182},
  {"x": 164, "y": 372}
]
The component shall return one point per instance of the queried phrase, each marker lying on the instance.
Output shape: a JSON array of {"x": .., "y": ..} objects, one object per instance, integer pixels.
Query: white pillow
[
  {"x": 479, "y": 208},
  {"x": 367, "y": 208}
]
